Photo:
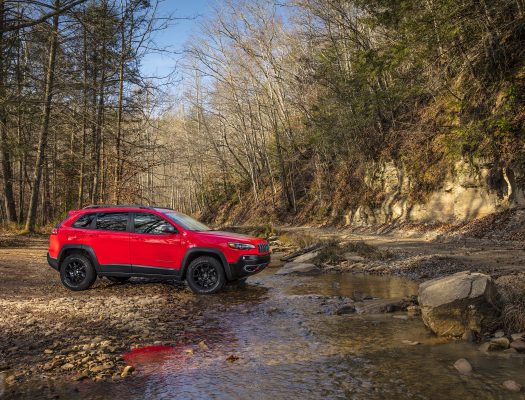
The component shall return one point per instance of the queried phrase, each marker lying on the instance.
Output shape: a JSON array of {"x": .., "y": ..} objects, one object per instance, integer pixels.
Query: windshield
[{"x": 186, "y": 222}]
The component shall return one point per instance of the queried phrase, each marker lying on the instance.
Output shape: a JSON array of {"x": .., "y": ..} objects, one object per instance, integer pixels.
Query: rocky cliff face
[{"x": 472, "y": 191}]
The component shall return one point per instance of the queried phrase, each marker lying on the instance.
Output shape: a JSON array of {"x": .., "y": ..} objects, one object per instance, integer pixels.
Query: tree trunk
[
  {"x": 7, "y": 171},
  {"x": 118, "y": 163},
  {"x": 44, "y": 130}
]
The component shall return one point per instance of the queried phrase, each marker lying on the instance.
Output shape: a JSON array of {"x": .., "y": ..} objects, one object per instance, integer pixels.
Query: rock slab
[
  {"x": 452, "y": 305},
  {"x": 298, "y": 269}
]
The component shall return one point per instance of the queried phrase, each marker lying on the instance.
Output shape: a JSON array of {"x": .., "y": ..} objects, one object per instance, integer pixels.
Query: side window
[
  {"x": 150, "y": 223},
  {"x": 84, "y": 221},
  {"x": 112, "y": 222}
]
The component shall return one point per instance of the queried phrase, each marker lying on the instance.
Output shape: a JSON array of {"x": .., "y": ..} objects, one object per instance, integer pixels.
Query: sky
[{"x": 176, "y": 35}]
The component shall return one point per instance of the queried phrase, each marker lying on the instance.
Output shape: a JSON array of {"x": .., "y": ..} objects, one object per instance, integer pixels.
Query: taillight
[{"x": 54, "y": 231}]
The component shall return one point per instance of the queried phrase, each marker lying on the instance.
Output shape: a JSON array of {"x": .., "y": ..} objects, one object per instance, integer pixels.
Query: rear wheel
[
  {"x": 118, "y": 279},
  {"x": 77, "y": 272},
  {"x": 205, "y": 275}
]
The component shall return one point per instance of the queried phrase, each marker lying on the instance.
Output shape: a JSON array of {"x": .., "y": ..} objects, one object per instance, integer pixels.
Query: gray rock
[
  {"x": 306, "y": 257},
  {"x": 456, "y": 303},
  {"x": 360, "y": 296},
  {"x": 379, "y": 306},
  {"x": 469, "y": 336},
  {"x": 510, "y": 351},
  {"x": 499, "y": 334},
  {"x": 519, "y": 345},
  {"x": 500, "y": 343},
  {"x": 517, "y": 336},
  {"x": 299, "y": 269},
  {"x": 463, "y": 366},
  {"x": 512, "y": 386},
  {"x": 353, "y": 257},
  {"x": 485, "y": 347},
  {"x": 346, "y": 309}
]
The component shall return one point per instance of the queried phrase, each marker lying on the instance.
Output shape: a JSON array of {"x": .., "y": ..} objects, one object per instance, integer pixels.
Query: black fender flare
[
  {"x": 204, "y": 251},
  {"x": 82, "y": 247}
]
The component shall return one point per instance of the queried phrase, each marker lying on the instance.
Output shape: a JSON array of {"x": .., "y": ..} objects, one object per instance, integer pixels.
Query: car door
[
  {"x": 154, "y": 250},
  {"x": 110, "y": 240}
]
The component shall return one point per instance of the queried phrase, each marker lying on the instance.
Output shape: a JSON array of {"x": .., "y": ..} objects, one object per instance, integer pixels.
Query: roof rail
[{"x": 118, "y": 206}]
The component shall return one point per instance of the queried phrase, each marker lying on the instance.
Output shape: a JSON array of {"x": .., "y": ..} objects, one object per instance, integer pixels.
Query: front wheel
[
  {"x": 77, "y": 272},
  {"x": 205, "y": 275}
]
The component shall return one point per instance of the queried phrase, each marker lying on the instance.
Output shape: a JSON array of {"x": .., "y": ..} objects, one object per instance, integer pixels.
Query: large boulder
[{"x": 455, "y": 304}]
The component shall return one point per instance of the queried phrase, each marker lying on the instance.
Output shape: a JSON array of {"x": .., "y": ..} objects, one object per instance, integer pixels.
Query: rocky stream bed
[{"x": 312, "y": 326}]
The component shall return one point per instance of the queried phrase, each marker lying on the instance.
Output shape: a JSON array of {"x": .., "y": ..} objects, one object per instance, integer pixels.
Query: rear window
[
  {"x": 84, "y": 221},
  {"x": 116, "y": 222}
]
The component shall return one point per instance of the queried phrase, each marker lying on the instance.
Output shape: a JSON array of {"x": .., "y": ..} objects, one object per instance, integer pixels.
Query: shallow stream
[{"x": 279, "y": 338}]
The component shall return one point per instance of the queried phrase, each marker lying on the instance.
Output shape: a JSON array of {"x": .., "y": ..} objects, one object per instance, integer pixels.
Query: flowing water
[{"x": 278, "y": 338}]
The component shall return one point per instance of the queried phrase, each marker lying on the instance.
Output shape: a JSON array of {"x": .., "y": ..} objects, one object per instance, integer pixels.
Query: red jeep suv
[{"x": 120, "y": 242}]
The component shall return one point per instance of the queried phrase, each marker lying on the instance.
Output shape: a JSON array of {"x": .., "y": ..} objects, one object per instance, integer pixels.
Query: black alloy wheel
[
  {"x": 77, "y": 272},
  {"x": 205, "y": 275}
]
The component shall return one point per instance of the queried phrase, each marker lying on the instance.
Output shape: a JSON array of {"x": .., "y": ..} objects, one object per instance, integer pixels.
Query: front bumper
[
  {"x": 249, "y": 265},
  {"x": 53, "y": 262}
]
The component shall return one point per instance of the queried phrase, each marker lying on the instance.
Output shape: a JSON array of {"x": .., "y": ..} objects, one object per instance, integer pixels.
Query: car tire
[
  {"x": 118, "y": 279},
  {"x": 77, "y": 272},
  {"x": 205, "y": 275}
]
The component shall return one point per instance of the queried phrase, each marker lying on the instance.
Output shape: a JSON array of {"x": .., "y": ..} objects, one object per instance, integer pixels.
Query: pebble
[
  {"x": 519, "y": 345},
  {"x": 128, "y": 369},
  {"x": 68, "y": 366},
  {"x": 413, "y": 310},
  {"x": 510, "y": 351},
  {"x": 485, "y": 347},
  {"x": 346, "y": 309},
  {"x": 499, "y": 334},
  {"x": 203, "y": 345},
  {"x": 499, "y": 343},
  {"x": 410, "y": 342},
  {"x": 463, "y": 366},
  {"x": 511, "y": 385},
  {"x": 99, "y": 368},
  {"x": 468, "y": 336}
]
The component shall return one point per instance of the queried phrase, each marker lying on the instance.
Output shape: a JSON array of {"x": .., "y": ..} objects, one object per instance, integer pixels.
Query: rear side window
[
  {"x": 150, "y": 223},
  {"x": 116, "y": 222},
  {"x": 84, "y": 221}
]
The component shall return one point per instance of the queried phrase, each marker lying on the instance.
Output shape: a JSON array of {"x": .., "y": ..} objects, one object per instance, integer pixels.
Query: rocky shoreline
[{"x": 454, "y": 301}]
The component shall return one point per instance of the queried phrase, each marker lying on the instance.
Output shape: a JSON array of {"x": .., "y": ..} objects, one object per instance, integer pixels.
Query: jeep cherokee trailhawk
[{"x": 120, "y": 242}]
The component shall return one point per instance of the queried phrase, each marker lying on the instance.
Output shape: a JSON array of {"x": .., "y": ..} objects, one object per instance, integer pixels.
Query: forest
[{"x": 283, "y": 110}]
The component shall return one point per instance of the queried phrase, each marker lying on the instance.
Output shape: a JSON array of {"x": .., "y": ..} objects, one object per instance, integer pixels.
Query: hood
[{"x": 227, "y": 235}]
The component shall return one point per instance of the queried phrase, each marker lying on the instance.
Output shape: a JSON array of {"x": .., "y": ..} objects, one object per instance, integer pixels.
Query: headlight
[{"x": 241, "y": 246}]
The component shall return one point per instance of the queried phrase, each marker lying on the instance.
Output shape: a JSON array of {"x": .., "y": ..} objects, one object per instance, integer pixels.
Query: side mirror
[{"x": 169, "y": 229}]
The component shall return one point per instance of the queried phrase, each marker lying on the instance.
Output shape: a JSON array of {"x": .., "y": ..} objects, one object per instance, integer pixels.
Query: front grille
[{"x": 263, "y": 248}]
